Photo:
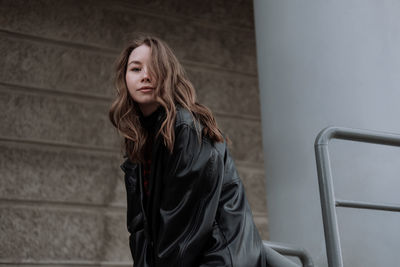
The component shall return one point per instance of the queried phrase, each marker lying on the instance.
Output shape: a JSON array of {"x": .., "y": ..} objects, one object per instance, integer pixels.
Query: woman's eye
[{"x": 136, "y": 69}]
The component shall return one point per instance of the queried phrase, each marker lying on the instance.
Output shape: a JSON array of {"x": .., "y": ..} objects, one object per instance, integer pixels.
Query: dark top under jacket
[{"x": 197, "y": 213}]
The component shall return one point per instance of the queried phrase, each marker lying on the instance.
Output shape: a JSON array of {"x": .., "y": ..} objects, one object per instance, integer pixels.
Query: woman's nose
[{"x": 146, "y": 76}]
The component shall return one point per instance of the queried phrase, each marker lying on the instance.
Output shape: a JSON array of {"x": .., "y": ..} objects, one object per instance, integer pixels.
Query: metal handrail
[
  {"x": 289, "y": 250},
  {"x": 328, "y": 201}
]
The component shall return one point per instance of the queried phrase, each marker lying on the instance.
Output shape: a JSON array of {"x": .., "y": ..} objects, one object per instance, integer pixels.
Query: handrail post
[{"x": 327, "y": 198}]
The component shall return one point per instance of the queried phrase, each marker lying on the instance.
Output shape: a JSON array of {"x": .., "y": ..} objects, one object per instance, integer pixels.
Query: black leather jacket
[{"x": 197, "y": 214}]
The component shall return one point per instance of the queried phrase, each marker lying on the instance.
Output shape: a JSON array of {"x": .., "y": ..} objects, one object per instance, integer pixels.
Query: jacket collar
[{"x": 128, "y": 167}]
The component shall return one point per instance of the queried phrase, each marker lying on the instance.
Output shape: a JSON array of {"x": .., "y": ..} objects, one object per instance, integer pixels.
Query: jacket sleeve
[
  {"x": 135, "y": 223},
  {"x": 189, "y": 202}
]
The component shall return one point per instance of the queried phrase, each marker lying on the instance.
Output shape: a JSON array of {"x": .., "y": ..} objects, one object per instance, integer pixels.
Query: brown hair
[{"x": 172, "y": 87}]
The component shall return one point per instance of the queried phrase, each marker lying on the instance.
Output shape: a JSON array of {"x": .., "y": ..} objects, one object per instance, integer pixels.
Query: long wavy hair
[{"x": 172, "y": 87}]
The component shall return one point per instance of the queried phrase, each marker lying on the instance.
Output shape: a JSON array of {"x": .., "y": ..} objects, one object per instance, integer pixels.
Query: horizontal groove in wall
[
  {"x": 159, "y": 13},
  {"x": 198, "y": 22},
  {"x": 211, "y": 67},
  {"x": 77, "y": 207},
  {"x": 236, "y": 116},
  {"x": 260, "y": 215},
  {"x": 25, "y": 88},
  {"x": 84, "y": 208},
  {"x": 39, "y": 39},
  {"x": 104, "y": 99},
  {"x": 61, "y": 263},
  {"x": 250, "y": 166},
  {"x": 60, "y": 145},
  {"x": 77, "y": 147},
  {"x": 112, "y": 52},
  {"x": 62, "y": 206},
  {"x": 53, "y": 146}
]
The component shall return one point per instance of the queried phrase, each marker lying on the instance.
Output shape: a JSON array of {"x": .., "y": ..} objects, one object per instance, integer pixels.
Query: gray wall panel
[
  {"x": 41, "y": 117},
  {"x": 40, "y": 173},
  {"x": 55, "y": 67},
  {"x": 254, "y": 184},
  {"x": 239, "y": 13},
  {"x": 44, "y": 234},
  {"x": 110, "y": 25},
  {"x": 70, "y": 69},
  {"x": 246, "y": 138},
  {"x": 62, "y": 196},
  {"x": 238, "y": 91},
  {"x": 56, "y": 119}
]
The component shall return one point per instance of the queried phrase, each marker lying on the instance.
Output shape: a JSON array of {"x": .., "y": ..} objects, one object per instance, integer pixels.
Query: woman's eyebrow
[{"x": 135, "y": 62}]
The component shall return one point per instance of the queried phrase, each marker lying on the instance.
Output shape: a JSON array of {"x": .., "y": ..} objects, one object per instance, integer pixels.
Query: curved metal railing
[{"x": 328, "y": 200}]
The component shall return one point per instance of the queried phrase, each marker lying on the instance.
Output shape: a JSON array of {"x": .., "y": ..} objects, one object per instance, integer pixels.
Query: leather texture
[{"x": 198, "y": 214}]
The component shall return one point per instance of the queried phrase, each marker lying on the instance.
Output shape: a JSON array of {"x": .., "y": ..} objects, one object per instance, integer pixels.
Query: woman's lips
[{"x": 146, "y": 89}]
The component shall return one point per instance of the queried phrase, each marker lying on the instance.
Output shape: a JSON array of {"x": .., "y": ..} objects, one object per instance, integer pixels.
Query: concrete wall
[
  {"x": 327, "y": 63},
  {"x": 62, "y": 199}
]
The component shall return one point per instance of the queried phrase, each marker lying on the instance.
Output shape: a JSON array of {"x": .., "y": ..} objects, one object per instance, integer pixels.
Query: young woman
[{"x": 186, "y": 202}]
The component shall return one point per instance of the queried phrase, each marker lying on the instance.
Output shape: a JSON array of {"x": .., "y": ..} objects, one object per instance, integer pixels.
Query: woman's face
[{"x": 140, "y": 84}]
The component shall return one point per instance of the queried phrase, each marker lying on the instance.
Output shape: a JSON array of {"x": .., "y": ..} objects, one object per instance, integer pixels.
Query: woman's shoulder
[
  {"x": 187, "y": 123},
  {"x": 185, "y": 117}
]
